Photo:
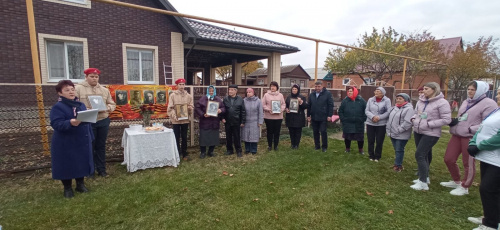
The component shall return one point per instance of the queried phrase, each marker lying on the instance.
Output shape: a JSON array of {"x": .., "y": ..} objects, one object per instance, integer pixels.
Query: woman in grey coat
[
  {"x": 377, "y": 113},
  {"x": 250, "y": 133},
  {"x": 398, "y": 127}
]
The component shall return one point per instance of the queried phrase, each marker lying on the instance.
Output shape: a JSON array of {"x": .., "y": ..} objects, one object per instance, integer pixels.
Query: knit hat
[
  {"x": 404, "y": 96},
  {"x": 382, "y": 90},
  {"x": 233, "y": 86}
]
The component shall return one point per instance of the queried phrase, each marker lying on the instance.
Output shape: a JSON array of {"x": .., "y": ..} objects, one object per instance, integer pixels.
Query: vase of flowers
[{"x": 146, "y": 111}]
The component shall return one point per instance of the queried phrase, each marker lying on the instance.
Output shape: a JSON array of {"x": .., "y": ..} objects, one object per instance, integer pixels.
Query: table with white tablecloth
[{"x": 144, "y": 150}]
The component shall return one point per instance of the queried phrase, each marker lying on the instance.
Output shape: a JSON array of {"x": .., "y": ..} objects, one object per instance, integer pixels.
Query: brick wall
[{"x": 105, "y": 26}]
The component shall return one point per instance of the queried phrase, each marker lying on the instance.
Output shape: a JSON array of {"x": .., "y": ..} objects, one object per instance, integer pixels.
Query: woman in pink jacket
[
  {"x": 273, "y": 104},
  {"x": 473, "y": 110},
  {"x": 431, "y": 113}
]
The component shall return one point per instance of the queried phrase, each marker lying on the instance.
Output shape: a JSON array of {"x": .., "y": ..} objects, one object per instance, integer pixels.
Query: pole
[
  {"x": 316, "y": 64},
  {"x": 404, "y": 73},
  {"x": 36, "y": 75}
]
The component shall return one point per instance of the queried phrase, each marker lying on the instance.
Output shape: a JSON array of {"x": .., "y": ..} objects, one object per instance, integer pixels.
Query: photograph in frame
[
  {"x": 276, "y": 106},
  {"x": 212, "y": 108},
  {"x": 294, "y": 105},
  {"x": 96, "y": 102},
  {"x": 121, "y": 97},
  {"x": 161, "y": 97},
  {"x": 181, "y": 112},
  {"x": 135, "y": 97},
  {"x": 148, "y": 97}
]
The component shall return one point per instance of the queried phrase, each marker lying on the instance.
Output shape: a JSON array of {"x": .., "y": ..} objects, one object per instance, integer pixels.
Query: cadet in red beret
[
  {"x": 91, "y": 87},
  {"x": 180, "y": 124}
]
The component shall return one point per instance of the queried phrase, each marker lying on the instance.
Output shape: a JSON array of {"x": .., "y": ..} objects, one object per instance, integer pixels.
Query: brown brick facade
[{"x": 105, "y": 26}]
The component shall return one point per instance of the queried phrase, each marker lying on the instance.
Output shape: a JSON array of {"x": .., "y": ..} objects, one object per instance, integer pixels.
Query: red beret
[
  {"x": 180, "y": 80},
  {"x": 91, "y": 70}
]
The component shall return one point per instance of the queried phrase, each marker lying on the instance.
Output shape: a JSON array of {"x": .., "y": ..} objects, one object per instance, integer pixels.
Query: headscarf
[
  {"x": 354, "y": 92},
  {"x": 298, "y": 91},
  {"x": 481, "y": 90},
  {"x": 208, "y": 94},
  {"x": 250, "y": 89}
]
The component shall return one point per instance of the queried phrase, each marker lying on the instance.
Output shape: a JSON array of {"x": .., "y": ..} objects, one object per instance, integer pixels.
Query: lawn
[{"x": 285, "y": 189}]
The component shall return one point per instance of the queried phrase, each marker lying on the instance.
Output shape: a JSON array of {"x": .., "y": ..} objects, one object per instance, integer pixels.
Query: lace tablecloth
[{"x": 149, "y": 150}]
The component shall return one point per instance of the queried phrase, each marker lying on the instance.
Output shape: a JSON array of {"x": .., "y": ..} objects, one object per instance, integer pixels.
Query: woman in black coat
[
  {"x": 71, "y": 147},
  {"x": 295, "y": 116}
]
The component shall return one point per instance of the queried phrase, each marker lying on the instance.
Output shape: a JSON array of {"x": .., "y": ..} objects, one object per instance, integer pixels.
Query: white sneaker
[
  {"x": 417, "y": 180},
  {"x": 420, "y": 186},
  {"x": 476, "y": 220},
  {"x": 459, "y": 191},
  {"x": 450, "y": 184},
  {"x": 482, "y": 227}
]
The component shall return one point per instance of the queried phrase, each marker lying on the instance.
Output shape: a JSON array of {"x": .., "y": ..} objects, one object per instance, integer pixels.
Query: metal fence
[{"x": 25, "y": 130}]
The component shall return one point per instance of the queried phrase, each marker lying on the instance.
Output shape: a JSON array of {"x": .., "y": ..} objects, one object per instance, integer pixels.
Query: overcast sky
[{"x": 344, "y": 21}]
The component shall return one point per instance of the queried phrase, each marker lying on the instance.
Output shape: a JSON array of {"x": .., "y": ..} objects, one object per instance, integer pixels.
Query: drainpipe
[{"x": 186, "y": 57}]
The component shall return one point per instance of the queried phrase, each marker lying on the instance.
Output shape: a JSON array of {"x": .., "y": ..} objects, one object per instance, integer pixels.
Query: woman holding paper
[
  {"x": 272, "y": 118},
  {"x": 71, "y": 147}
]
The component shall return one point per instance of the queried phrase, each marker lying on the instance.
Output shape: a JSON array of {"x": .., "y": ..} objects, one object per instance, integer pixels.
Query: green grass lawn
[{"x": 287, "y": 189}]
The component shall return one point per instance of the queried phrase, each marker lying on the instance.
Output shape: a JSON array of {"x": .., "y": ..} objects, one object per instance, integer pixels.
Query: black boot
[
  {"x": 68, "y": 193},
  {"x": 239, "y": 154},
  {"x": 203, "y": 155},
  {"x": 80, "y": 186}
]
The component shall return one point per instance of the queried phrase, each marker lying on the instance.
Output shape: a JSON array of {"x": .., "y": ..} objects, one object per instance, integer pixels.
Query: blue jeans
[
  {"x": 251, "y": 147},
  {"x": 399, "y": 148}
]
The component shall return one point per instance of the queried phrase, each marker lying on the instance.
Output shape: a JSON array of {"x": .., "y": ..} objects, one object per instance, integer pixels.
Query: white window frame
[
  {"x": 82, "y": 3},
  {"x": 344, "y": 81},
  {"x": 302, "y": 83},
  {"x": 44, "y": 64},
  {"x": 328, "y": 85},
  {"x": 260, "y": 81},
  {"x": 156, "y": 72}
]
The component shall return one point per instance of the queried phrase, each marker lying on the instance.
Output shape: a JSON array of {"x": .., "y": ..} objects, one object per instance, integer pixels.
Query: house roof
[
  {"x": 321, "y": 73},
  {"x": 328, "y": 77},
  {"x": 208, "y": 34},
  {"x": 450, "y": 45},
  {"x": 284, "y": 69}
]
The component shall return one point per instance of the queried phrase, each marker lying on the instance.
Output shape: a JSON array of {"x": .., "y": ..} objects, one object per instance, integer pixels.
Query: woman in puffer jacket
[
  {"x": 473, "y": 110},
  {"x": 398, "y": 127},
  {"x": 431, "y": 113}
]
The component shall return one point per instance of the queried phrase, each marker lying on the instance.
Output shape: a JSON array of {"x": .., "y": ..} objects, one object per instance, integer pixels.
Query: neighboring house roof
[
  {"x": 208, "y": 34},
  {"x": 284, "y": 70},
  {"x": 321, "y": 73},
  {"x": 450, "y": 45},
  {"x": 328, "y": 76}
]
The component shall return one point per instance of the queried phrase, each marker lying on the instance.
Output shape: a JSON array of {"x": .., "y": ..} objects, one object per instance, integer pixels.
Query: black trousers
[
  {"x": 490, "y": 194},
  {"x": 348, "y": 144},
  {"x": 68, "y": 183},
  {"x": 424, "y": 146},
  {"x": 273, "y": 131},
  {"x": 233, "y": 137},
  {"x": 319, "y": 127},
  {"x": 181, "y": 132},
  {"x": 203, "y": 149},
  {"x": 100, "y": 130},
  {"x": 375, "y": 135},
  {"x": 295, "y": 135}
]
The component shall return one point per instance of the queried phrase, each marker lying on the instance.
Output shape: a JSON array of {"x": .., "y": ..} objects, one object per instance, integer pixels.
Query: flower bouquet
[{"x": 146, "y": 111}]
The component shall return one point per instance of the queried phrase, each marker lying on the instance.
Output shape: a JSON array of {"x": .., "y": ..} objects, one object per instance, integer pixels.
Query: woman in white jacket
[
  {"x": 485, "y": 147},
  {"x": 398, "y": 127}
]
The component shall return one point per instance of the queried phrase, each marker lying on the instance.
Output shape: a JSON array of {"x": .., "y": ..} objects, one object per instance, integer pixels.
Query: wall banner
[{"x": 129, "y": 99}]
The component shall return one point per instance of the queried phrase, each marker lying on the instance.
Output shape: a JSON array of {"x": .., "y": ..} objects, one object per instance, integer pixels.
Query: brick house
[
  {"x": 129, "y": 46},
  {"x": 290, "y": 74}
]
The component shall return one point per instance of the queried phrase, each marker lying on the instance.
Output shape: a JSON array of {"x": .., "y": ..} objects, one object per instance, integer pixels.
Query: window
[
  {"x": 369, "y": 80},
  {"x": 62, "y": 58},
  {"x": 292, "y": 82},
  {"x": 65, "y": 60},
  {"x": 78, "y": 3},
  {"x": 140, "y": 66},
  {"x": 302, "y": 83},
  {"x": 346, "y": 81},
  {"x": 328, "y": 85},
  {"x": 261, "y": 81}
]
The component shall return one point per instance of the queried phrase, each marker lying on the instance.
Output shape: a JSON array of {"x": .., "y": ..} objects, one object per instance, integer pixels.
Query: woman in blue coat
[{"x": 71, "y": 147}]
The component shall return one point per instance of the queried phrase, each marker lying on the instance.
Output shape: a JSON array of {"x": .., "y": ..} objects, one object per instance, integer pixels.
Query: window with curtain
[
  {"x": 65, "y": 60},
  {"x": 140, "y": 65}
]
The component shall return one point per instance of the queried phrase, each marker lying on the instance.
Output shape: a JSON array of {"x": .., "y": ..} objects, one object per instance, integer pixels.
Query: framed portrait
[
  {"x": 294, "y": 105},
  {"x": 276, "y": 106},
  {"x": 212, "y": 108},
  {"x": 181, "y": 112},
  {"x": 135, "y": 97},
  {"x": 96, "y": 102},
  {"x": 149, "y": 97},
  {"x": 121, "y": 97},
  {"x": 161, "y": 97}
]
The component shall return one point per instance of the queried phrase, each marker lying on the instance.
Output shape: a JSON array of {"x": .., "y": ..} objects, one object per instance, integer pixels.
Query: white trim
[
  {"x": 42, "y": 39},
  {"x": 348, "y": 81},
  {"x": 86, "y": 4},
  {"x": 177, "y": 55},
  {"x": 156, "y": 72}
]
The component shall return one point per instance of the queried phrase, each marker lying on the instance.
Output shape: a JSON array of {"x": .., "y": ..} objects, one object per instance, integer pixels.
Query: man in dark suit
[{"x": 320, "y": 111}]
